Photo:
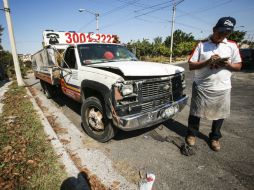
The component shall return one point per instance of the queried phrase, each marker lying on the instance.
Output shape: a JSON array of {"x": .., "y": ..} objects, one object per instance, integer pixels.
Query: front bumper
[{"x": 144, "y": 120}]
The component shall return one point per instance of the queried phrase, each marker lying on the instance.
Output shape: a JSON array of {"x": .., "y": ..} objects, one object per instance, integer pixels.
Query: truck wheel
[
  {"x": 95, "y": 122},
  {"x": 48, "y": 89}
]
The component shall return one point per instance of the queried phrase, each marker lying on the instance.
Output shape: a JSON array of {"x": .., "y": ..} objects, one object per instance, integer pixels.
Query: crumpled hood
[{"x": 141, "y": 68}]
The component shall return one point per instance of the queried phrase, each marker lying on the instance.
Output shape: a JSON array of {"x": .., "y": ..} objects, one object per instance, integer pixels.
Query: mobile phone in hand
[{"x": 223, "y": 59}]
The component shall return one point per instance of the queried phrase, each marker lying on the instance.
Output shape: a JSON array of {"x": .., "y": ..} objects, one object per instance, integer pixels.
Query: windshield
[{"x": 101, "y": 53}]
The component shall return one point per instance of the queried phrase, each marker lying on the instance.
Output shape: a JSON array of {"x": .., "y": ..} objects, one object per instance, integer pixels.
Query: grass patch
[{"x": 27, "y": 160}]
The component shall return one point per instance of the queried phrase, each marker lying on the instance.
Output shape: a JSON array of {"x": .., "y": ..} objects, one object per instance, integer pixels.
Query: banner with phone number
[{"x": 54, "y": 38}]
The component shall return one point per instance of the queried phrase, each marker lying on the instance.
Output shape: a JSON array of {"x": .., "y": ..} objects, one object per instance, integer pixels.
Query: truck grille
[
  {"x": 159, "y": 92},
  {"x": 151, "y": 89}
]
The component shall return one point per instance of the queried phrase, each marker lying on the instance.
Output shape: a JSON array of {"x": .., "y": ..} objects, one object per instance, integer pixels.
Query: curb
[{"x": 70, "y": 167}]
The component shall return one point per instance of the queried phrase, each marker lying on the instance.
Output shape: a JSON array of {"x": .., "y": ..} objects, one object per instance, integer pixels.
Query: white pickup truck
[{"x": 116, "y": 90}]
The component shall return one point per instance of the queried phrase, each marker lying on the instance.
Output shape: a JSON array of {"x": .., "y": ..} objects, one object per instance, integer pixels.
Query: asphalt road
[{"x": 147, "y": 151}]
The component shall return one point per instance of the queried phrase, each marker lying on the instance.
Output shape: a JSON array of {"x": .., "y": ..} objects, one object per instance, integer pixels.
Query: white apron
[{"x": 210, "y": 104}]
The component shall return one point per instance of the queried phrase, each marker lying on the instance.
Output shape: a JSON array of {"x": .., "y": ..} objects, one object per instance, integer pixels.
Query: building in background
[{"x": 25, "y": 57}]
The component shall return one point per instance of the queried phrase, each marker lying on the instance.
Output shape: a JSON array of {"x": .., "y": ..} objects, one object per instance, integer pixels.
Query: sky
[{"x": 129, "y": 19}]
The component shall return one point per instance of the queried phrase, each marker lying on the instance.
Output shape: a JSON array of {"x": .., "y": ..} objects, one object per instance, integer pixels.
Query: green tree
[
  {"x": 2, "y": 68},
  {"x": 6, "y": 62},
  {"x": 184, "y": 48},
  {"x": 1, "y": 33},
  {"x": 161, "y": 50},
  {"x": 143, "y": 48},
  {"x": 179, "y": 37},
  {"x": 157, "y": 40},
  {"x": 237, "y": 36},
  {"x": 183, "y": 44}
]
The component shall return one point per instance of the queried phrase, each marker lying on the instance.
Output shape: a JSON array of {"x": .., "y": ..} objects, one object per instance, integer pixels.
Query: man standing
[{"x": 213, "y": 60}]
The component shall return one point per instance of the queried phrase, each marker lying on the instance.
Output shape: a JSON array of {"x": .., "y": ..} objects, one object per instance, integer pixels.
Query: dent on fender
[{"x": 103, "y": 91}]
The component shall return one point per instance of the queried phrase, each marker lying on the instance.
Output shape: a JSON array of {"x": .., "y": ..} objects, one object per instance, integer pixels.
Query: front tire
[{"x": 95, "y": 122}]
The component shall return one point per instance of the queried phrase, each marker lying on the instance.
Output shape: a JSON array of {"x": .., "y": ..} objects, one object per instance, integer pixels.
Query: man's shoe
[
  {"x": 215, "y": 145},
  {"x": 191, "y": 140}
]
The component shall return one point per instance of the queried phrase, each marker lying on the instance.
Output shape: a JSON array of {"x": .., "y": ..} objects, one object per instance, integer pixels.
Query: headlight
[
  {"x": 127, "y": 89},
  {"x": 183, "y": 80},
  {"x": 182, "y": 76}
]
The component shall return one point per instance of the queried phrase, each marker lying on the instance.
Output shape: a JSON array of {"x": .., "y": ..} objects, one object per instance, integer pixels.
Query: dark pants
[{"x": 193, "y": 127}]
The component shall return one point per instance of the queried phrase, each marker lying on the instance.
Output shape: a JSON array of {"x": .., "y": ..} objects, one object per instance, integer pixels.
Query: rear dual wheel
[{"x": 48, "y": 89}]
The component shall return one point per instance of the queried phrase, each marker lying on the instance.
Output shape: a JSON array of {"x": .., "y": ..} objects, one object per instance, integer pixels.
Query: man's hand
[
  {"x": 213, "y": 61},
  {"x": 216, "y": 61},
  {"x": 215, "y": 58},
  {"x": 223, "y": 62}
]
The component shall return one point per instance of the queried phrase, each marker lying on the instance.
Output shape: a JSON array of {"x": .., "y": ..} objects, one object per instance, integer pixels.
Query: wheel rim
[{"x": 95, "y": 119}]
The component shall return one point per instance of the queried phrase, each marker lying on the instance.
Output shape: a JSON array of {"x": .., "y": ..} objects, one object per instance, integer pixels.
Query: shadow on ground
[
  {"x": 171, "y": 124},
  {"x": 3, "y": 82},
  {"x": 76, "y": 183},
  {"x": 121, "y": 135},
  {"x": 181, "y": 129},
  {"x": 63, "y": 100},
  {"x": 32, "y": 84}
]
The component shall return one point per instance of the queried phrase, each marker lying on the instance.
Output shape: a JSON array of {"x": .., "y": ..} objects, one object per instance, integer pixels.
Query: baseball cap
[{"x": 225, "y": 24}]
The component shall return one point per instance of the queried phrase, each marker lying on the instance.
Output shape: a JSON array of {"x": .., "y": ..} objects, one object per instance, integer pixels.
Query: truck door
[{"x": 70, "y": 77}]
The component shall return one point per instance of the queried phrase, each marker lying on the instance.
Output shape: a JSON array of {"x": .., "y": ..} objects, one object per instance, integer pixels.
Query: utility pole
[
  {"x": 97, "y": 22},
  {"x": 172, "y": 28},
  {"x": 13, "y": 46},
  {"x": 96, "y": 17}
]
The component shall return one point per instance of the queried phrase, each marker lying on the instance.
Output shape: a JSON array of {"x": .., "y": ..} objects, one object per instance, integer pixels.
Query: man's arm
[
  {"x": 198, "y": 65},
  {"x": 230, "y": 66},
  {"x": 234, "y": 66},
  {"x": 201, "y": 64},
  {"x": 236, "y": 61}
]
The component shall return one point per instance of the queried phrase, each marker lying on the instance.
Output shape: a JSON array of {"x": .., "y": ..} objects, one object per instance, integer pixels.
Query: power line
[
  {"x": 144, "y": 20},
  {"x": 194, "y": 17},
  {"x": 160, "y": 8},
  {"x": 206, "y": 9},
  {"x": 150, "y": 7},
  {"x": 85, "y": 25},
  {"x": 169, "y": 21},
  {"x": 135, "y": 4},
  {"x": 129, "y": 3},
  {"x": 117, "y": 23},
  {"x": 149, "y": 21},
  {"x": 154, "y": 10},
  {"x": 122, "y": 22},
  {"x": 189, "y": 26}
]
